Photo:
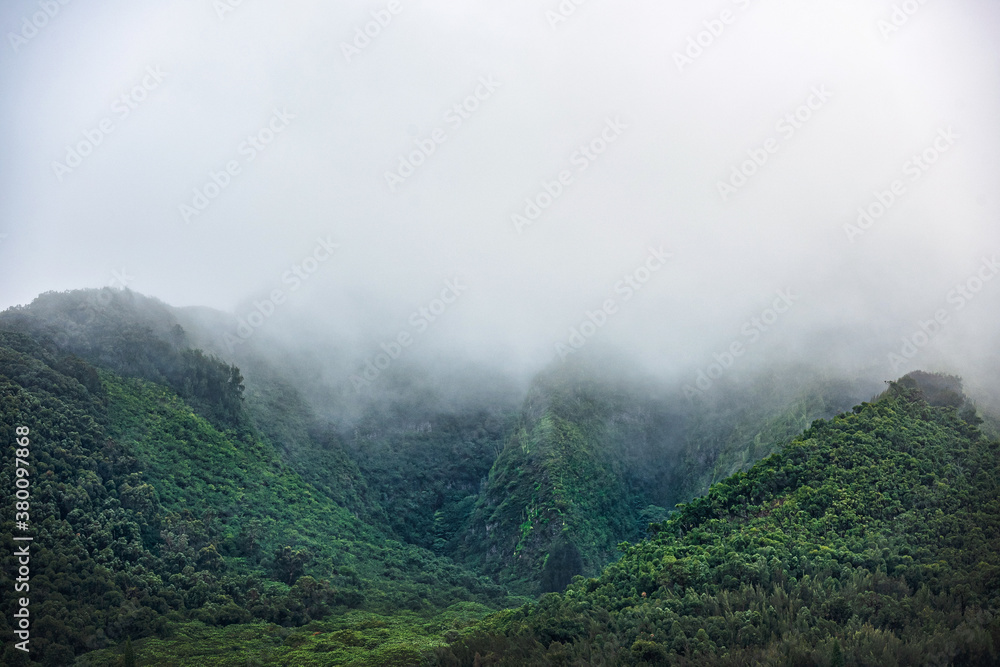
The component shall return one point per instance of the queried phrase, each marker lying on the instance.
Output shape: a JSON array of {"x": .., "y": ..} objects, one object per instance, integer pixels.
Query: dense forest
[
  {"x": 145, "y": 515},
  {"x": 186, "y": 510},
  {"x": 872, "y": 539}
]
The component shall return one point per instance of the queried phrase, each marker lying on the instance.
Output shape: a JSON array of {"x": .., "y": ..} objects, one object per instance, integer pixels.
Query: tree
[
  {"x": 290, "y": 564},
  {"x": 836, "y": 655},
  {"x": 128, "y": 656}
]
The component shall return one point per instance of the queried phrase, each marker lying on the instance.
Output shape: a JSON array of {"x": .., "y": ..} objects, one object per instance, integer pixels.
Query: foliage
[
  {"x": 429, "y": 472},
  {"x": 145, "y": 514},
  {"x": 356, "y": 638},
  {"x": 184, "y": 514},
  {"x": 135, "y": 337},
  {"x": 874, "y": 538},
  {"x": 596, "y": 456}
]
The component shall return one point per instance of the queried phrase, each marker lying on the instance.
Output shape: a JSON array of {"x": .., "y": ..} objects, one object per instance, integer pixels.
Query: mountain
[
  {"x": 146, "y": 515},
  {"x": 597, "y": 455},
  {"x": 563, "y": 493},
  {"x": 434, "y": 470},
  {"x": 198, "y": 503},
  {"x": 140, "y": 337},
  {"x": 872, "y": 539}
]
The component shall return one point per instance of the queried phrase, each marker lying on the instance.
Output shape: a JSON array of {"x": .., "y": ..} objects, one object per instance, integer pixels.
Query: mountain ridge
[{"x": 415, "y": 503}]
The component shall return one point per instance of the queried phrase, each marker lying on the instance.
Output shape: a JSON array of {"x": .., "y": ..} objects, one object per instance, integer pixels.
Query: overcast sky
[{"x": 200, "y": 152}]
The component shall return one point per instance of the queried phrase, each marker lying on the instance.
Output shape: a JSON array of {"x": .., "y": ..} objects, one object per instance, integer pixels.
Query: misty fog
[{"x": 706, "y": 190}]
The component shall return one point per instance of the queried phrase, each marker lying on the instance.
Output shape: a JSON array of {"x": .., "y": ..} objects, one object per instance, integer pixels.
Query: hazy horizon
[{"x": 508, "y": 184}]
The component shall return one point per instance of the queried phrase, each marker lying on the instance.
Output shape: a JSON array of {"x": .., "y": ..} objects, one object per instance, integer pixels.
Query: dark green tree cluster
[{"x": 430, "y": 472}]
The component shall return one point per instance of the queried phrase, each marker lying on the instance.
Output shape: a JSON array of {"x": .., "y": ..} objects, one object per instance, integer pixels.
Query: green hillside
[
  {"x": 872, "y": 539},
  {"x": 737, "y": 425},
  {"x": 596, "y": 456},
  {"x": 558, "y": 498},
  {"x": 550, "y": 495},
  {"x": 187, "y": 511},
  {"x": 429, "y": 473},
  {"x": 136, "y": 336},
  {"x": 146, "y": 515}
]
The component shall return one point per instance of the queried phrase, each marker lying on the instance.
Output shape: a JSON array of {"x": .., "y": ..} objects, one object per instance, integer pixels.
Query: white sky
[{"x": 655, "y": 186}]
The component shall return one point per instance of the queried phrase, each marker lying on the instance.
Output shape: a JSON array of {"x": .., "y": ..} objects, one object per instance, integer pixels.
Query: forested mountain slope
[
  {"x": 872, "y": 539},
  {"x": 145, "y": 514},
  {"x": 424, "y": 468},
  {"x": 136, "y": 336},
  {"x": 564, "y": 491},
  {"x": 598, "y": 454},
  {"x": 428, "y": 473},
  {"x": 184, "y": 497},
  {"x": 737, "y": 424}
]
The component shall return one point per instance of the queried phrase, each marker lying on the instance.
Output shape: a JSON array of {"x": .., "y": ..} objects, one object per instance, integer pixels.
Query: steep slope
[
  {"x": 562, "y": 493},
  {"x": 429, "y": 469},
  {"x": 144, "y": 515},
  {"x": 229, "y": 473},
  {"x": 141, "y": 337},
  {"x": 872, "y": 539},
  {"x": 416, "y": 452},
  {"x": 740, "y": 423},
  {"x": 598, "y": 454}
]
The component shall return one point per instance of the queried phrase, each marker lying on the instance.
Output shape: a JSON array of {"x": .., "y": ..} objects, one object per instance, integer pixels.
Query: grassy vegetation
[{"x": 353, "y": 639}]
